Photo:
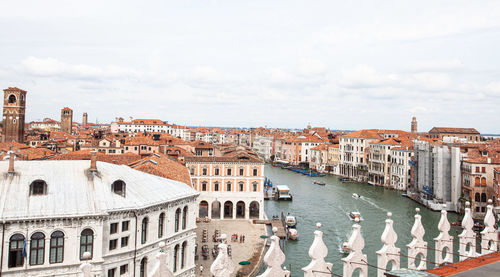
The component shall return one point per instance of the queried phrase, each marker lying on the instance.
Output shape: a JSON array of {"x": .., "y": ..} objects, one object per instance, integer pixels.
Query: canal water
[{"x": 331, "y": 204}]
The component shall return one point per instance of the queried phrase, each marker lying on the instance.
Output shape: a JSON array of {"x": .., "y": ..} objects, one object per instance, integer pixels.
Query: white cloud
[
  {"x": 364, "y": 76},
  {"x": 310, "y": 67},
  {"x": 51, "y": 67},
  {"x": 442, "y": 65}
]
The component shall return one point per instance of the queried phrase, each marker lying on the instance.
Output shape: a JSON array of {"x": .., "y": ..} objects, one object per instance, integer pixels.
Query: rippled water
[{"x": 331, "y": 204}]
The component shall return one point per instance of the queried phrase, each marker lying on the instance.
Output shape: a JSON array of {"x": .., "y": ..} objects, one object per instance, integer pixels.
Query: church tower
[
  {"x": 414, "y": 125},
  {"x": 14, "y": 107},
  {"x": 67, "y": 120},
  {"x": 85, "y": 119}
]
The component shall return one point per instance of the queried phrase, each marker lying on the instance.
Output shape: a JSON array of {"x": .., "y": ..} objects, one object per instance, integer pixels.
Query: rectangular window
[
  {"x": 229, "y": 172},
  {"x": 124, "y": 241},
  {"x": 111, "y": 272},
  {"x": 484, "y": 169},
  {"x": 113, "y": 228},
  {"x": 242, "y": 171},
  {"x": 255, "y": 172},
  {"x": 216, "y": 172},
  {"x": 477, "y": 168},
  {"x": 123, "y": 269},
  {"x": 204, "y": 171},
  {"x": 204, "y": 186},
  {"x": 125, "y": 226},
  {"x": 112, "y": 244}
]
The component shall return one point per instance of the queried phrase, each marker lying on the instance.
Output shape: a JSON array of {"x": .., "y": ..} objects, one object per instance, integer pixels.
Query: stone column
[
  {"x": 247, "y": 211},
  {"x": 209, "y": 210},
  {"x": 234, "y": 210}
]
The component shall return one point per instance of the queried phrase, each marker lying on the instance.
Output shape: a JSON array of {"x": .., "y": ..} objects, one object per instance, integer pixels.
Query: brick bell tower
[
  {"x": 14, "y": 107},
  {"x": 67, "y": 120}
]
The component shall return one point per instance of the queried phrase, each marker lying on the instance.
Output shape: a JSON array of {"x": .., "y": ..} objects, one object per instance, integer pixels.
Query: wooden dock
[{"x": 278, "y": 223}]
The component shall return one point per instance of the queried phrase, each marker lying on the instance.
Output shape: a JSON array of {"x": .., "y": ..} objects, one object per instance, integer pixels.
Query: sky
[{"x": 338, "y": 64}]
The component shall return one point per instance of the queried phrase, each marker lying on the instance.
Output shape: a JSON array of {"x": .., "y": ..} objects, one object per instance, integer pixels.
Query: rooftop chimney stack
[
  {"x": 93, "y": 161},
  {"x": 12, "y": 156}
]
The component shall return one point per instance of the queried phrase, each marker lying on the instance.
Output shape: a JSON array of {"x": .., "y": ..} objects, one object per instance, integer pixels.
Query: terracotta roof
[
  {"x": 483, "y": 160},
  {"x": 242, "y": 157},
  {"x": 66, "y": 109},
  {"x": 163, "y": 166},
  {"x": 369, "y": 134},
  {"x": 126, "y": 158},
  {"x": 455, "y": 268},
  {"x": 5, "y": 146},
  {"x": 451, "y": 130},
  {"x": 14, "y": 89}
]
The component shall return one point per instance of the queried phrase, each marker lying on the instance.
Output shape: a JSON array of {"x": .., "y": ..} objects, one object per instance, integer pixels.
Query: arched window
[
  {"x": 86, "y": 242},
  {"x": 478, "y": 181},
  {"x": 184, "y": 217},
  {"x": 56, "y": 247},
  {"x": 483, "y": 197},
  {"x": 118, "y": 187},
  {"x": 477, "y": 197},
  {"x": 144, "y": 230},
  {"x": 228, "y": 186},
  {"x": 16, "y": 244},
  {"x": 216, "y": 186},
  {"x": 38, "y": 187},
  {"x": 143, "y": 267},
  {"x": 12, "y": 99},
  {"x": 161, "y": 224},
  {"x": 37, "y": 248},
  {"x": 177, "y": 219},
  {"x": 176, "y": 254},
  {"x": 483, "y": 182},
  {"x": 183, "y": 254}
]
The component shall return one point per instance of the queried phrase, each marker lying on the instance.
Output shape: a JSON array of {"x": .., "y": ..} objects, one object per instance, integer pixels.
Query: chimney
[
  {"x": 11, "y": 161},
  {"x": 489, "y": 160},
  {"x": 93, "y": 161}
]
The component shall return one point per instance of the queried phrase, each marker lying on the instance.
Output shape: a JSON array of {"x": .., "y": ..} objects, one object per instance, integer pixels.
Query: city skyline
[{"x": 219, "y": 63}]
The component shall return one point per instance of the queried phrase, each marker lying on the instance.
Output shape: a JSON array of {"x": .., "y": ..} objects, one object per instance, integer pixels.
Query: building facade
[
  {"x": 14, "y": 109},
  {"x": 230, "y": 187},
  {"x": 55, "y": 211},
  {"x": 470, "y": 134}
]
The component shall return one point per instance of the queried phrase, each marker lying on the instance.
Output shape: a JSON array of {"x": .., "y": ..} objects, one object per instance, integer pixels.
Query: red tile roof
[{"x": 163, "y": 166}]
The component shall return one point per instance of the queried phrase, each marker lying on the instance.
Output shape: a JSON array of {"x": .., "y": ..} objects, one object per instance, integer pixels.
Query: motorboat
[
  {"x": 290, "y": 221},
  {"x": 355, "y": 195},
  {"x": 355, "y": 215},
  {"x": 344, "y": 248},
  {"x": 319, "y": 183},
  {"x": 293, "y": 234}
]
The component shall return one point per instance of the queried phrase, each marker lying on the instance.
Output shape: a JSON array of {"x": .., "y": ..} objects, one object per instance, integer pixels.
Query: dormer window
[
  {"x": 118, "y": 187},
  {"x": 38, "y": 187}
]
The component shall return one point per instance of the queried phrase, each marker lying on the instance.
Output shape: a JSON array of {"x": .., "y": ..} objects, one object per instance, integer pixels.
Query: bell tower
[
  {"x": 14, "y": 107},
  {"x": 414, "y": 125},
  {"x": 67, "y": 120}
]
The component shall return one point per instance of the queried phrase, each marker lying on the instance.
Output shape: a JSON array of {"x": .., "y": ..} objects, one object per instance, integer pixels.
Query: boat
[
  {"x": 405, "y": 195},
  {"x": 355, "y": 195},
  {"x": 345, "y": 179},
  {"x": 355, "y": 215},
  {"x": 282, "y": 192},
  {"x": 319, "y": 183},
  {"x": 293, "y": 234},
  {"x": 290, "y": 221},
  {"x": 344, "y": 248}
]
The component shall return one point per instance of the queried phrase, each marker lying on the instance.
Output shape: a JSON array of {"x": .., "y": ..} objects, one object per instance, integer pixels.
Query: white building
[
  {"x": 141, "y": 126},
  {"x": 57, "y": 210},
  {"x": 401, "y": 167}
]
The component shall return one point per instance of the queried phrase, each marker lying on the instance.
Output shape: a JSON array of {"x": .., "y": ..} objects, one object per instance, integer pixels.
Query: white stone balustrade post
[
  {"x": 444, "y": 242},
  {"x": 356, "y": 259},
  {"x": 161, "y": 269},
  {"x": 468, "y": 237},
  {"x": 86, "y": 267},
  {"x": 417, "y": 248},
  {"x": 389, "y": 253},
  {"x": 318, "y": 252},
  {"x": 489, "y": 234},
  {"x": 223, "y": 265},
  {"x": 274, "y": 258}
]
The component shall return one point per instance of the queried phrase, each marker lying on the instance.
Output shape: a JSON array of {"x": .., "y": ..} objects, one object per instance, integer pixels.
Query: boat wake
[{"x": 367, "y": 200}]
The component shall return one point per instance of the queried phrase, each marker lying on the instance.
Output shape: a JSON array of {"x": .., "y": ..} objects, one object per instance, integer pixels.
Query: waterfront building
[
  {"x": 496, "y": 188},
  {"x": 380, "y": 160},
  {"x": 333, "y": 159},
  {"x": 67, "y": 120},
  {"x": 319, "y": 157},
  {"x": 14, "y": 110},
  {"x": 400, "y": 171},
  {"x": 263, "y": 146},
  {"x": 297, "y": 150},
  {"x": 437, "y": 174},
  {"x": 54, "y": 211},
  {"x": 470, "y": 134},
  {"x": 231, "y": 186},
  {"x": 353, "y": 153},
  {"x": 478, "y": 176}
]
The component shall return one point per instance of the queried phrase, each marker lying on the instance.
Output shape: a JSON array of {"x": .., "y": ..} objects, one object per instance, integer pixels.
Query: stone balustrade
[{"x": 223, "y": 266}]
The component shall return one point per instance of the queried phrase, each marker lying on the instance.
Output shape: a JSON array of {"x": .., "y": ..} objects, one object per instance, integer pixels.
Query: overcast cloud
[{"x": 339, "y": 64}]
